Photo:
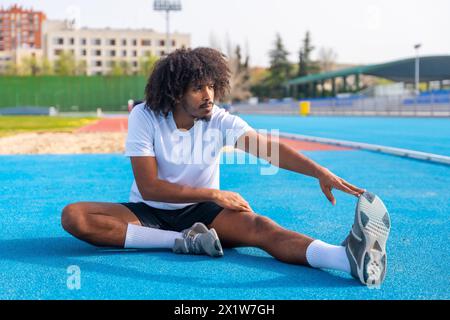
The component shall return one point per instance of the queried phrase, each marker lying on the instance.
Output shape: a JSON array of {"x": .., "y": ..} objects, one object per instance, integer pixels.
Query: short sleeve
[
  {"x": 140, "y": 139},
  {"x": 232, "y": 127}
]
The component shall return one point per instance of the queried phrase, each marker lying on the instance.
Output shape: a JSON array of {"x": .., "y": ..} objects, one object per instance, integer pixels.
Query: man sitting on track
[{"x": 174, "y": 141}]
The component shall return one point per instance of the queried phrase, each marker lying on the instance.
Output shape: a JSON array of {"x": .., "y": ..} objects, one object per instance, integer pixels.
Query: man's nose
[{"x": 207, "y": 94}]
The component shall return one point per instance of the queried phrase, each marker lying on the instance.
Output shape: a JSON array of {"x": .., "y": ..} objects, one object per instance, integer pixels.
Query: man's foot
[
  {"x": 366, "y": 244},
  {"x": 199, "y": 240}
]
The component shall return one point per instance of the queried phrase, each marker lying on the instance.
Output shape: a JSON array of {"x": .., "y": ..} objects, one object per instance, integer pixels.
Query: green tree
[
  {"x": 305, "y": 65},
  {"x": 280, "y": 69},
  {"x": 46, "y": 67},
  {"x": 29, "y": 66},
  {"x": 147, "y": 63},
  {"x": 66, "y": 65},
  {"x": 81, "y": 68},
  {"x": 11, "y": 69}
]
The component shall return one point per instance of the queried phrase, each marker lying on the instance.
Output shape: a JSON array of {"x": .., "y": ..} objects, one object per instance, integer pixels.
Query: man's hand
[
  {"x": 329, "y": 180},
  {"x": 231, "y": 200}
]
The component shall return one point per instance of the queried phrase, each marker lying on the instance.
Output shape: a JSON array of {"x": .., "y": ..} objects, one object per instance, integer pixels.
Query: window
[
  {"x": 111, "y": 42},
  {"x": 83, "y": 41},
  {"x": 112, "y": 53},
  {"x": 59, "y": 41},
  {"x": 98, "y": 63},
  {"x": 146, "y": 43},
  {"x": 135, "y": 63},
  {"x": 58, "y": 52},
  {"x": 124, "y": 42},
  {"x": 96, "y": 42},
  {"x": 134, "y": 42},
  {"x": 72, "y": 41},
  {"x": 162, "y": 43},
  {"x": 84, "y": 52},
  {"x": 124, "y": 53},
  {"x": 134, "y": 53},
  {"x": 97, "y": 53},
  {"x": 162, "y": 53},
  {"x": 174, "y": 43}
]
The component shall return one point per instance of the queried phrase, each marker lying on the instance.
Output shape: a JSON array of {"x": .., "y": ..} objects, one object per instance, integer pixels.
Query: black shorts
[{"x": 174, "y": 220}]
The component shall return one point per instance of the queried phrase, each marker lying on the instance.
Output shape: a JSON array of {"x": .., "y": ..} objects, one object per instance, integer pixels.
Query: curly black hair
[{"x": 173, "y": 74}]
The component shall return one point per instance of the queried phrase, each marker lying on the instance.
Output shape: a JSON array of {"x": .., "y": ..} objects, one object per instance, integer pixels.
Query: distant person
[
  {"x": 132, "y": 104},
  {"x": 175, "y": 201}
]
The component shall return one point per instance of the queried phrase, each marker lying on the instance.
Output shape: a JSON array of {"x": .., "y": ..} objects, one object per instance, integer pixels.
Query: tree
[
  {"x": 305, "y": 65},
  {"x": 81, "y": 68},
  {"x": 280, "y": 69},
  {"x": 29, "y": 66},
  {"x": 240, "y": 76},
  {"x": 11, "y": 69},
  {"x": 327, "y": 59},
  {"x": 65, "y": 65},
  {"x": 146, "y": 64},
  {"x": 46, "y": 67}
]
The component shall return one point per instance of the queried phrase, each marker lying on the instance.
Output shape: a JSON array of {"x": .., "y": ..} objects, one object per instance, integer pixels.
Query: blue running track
[{"x": 35, "y": 252}]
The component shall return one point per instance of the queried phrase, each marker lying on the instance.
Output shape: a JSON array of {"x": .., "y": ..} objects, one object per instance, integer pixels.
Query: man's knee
[
  {"x": 73, "y": 220},
  {"x": 263, "y": 225}
]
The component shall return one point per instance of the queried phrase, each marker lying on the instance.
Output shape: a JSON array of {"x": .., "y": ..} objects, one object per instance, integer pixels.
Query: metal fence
[
  {"x": 434, "y": 104},
  {"x": 71, "y": 94}
]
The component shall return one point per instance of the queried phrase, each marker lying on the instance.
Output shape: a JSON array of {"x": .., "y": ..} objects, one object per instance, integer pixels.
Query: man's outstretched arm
[{"x": 285, "y": 157}]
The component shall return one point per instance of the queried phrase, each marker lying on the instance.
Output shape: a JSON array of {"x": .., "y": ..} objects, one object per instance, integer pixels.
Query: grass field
[{"x": 10, "y": 125}]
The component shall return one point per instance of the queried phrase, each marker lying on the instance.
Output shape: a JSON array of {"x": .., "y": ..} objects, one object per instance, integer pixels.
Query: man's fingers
[
  {"x": 327, "y": 191},
  {"x": 354, "y": 188},
  {"x": 344, "y": 188}
]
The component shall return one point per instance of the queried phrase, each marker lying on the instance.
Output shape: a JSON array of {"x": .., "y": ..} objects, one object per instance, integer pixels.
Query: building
[
  {"x": 20, "y": 28},
  {"x": 27, "y": 33},
  {"x": 100, "y": 49}
]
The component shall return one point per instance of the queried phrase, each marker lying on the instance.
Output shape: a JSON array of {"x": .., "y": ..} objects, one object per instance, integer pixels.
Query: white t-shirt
[{"x": 183, "y": 157}]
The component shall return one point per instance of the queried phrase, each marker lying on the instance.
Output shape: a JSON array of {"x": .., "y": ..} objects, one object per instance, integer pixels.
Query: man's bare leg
[
  {"x": 240, "y": 229},
  {"x": 114, "y": 225},
  {"x": 100, "y": 224}
]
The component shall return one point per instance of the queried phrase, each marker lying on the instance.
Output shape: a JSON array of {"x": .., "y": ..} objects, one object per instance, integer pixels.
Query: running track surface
[{"x": 36, "y": 252}]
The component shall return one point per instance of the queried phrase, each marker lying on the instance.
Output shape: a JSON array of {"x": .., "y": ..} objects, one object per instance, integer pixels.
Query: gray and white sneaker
[
  {"x": 199, "y": 240},
  {"x": 366, "y": 244}
]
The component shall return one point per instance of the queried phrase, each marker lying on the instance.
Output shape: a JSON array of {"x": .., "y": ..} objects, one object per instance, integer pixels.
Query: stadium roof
[{"x": 432, "y": 68}]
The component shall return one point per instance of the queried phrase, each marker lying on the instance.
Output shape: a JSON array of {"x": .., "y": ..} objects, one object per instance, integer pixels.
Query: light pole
[
  {"x": 417, "y": 68},
  {"x": 167, "y": 6}
]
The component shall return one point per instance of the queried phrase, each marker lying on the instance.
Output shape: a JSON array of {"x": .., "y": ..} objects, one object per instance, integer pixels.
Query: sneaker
[
  {"x": 366, "y": 244},
  {"x": 198, "y": 227},
  {"x": 195, "y": 242}
]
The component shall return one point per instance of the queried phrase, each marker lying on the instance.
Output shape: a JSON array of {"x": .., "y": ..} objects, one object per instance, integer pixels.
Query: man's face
[{"x": 198, "y": 101}]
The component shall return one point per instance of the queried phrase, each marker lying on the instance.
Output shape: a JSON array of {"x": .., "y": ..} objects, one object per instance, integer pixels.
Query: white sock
[
  {"x": 323, "y": 255},
  {"x": 139, "y": 237}
]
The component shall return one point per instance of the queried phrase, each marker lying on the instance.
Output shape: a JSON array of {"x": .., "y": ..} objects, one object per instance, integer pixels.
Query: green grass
[{"x": 10, "y": 125}]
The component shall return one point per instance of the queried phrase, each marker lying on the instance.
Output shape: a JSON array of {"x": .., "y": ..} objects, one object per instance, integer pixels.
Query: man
[{"x": 174, "y": 141}]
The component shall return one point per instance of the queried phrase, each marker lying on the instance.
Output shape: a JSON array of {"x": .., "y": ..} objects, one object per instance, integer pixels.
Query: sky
[{"x": 359, "y": 31}]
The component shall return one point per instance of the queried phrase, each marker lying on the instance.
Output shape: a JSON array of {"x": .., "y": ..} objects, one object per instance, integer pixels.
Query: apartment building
[
  {"x": 100, "y": 49},
  {"x": 28, "y": 33},
  {"x": 20, "y": 28}
]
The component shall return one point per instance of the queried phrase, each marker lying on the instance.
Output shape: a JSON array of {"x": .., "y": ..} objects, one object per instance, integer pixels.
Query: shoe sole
[
  {"x": 212, "y": 245},
  {"x": 374, "y": 223}
]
